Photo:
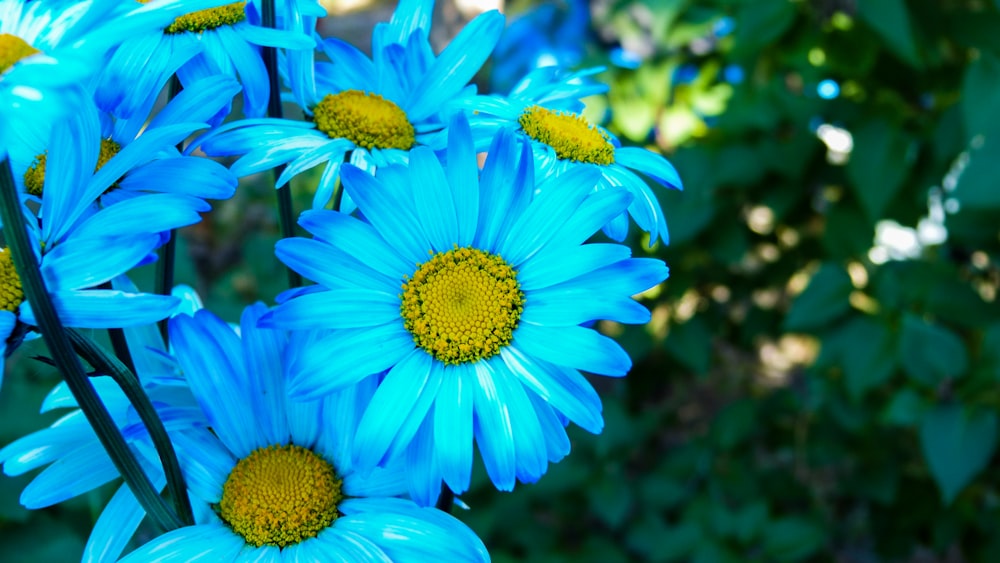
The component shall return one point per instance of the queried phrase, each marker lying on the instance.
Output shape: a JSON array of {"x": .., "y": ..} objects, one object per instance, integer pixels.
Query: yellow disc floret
[
  {"x": 34, "y": 177},
  {"x": 11, "y": 294},
  {"x": 13, "y": 49},
  {"x": 367, "y": 119},
  {"x": 570, "y": 135},
  {"x": 208, "y": 19},
  {"x": 462, "y": 305},
  {"x": 280, "y": 495}
]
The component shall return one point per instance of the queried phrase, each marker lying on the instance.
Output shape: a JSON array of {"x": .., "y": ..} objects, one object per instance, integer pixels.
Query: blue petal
[
  {"x": 595, "y": 211},
  {"x": 557, "y": 443},
  {"x": 456, "y": 65},
  {"x": 627, "y": 277},
  {"x": 453, "y": 426},
  {"x": 347, "y": 357},
  {"x": 199, "y": 102},
  {"x": 563, "y": 388},
  {"x": 99, "y": 308},
  {"x": 493, "y": 430},
  {"x": 463, "y": 176},
  {"x": 391, "y": 215},
  {"x": 569, "y": 307},
  {"x": 151, "y": 213},
  {"x": 404, "y": 390},
  {"x": 432, "y": 195},
  {"x": 330, "y": 266},
  {"x": 555, "y": 266},
  {"x": 205, "y": 461},
  {"x": 187, "y": 175},
  {"x": 116, "y": 525},
  {"x": 253, "y": 73},
  {"x": 352, "y": 66},
  {"x": 496, "y": 195},
  {"x": 279, "y": 38},
  {"x": 210, "y": 355},
  {"x": 264, "y": 358},
  {"x": 529, "y": 442},
  {"x": 650, "y": 164},
  {"x": 358, "y": 238},
  {"x": 423, "y": 472},
  {"x": 345, "y": 546},
  {"x": 575, "y": 347},
  {"x": 332, "y": 152},
  {"x": 337, "y": 308},
  {"x": 202, "y": 542},
  {"x": 72, "y": 264},
  {"x": 82, "y": 470}
]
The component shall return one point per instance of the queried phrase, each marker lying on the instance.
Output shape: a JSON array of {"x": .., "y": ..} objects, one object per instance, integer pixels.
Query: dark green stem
[
  {"x": 26, "y": 264},
  {"x": 286, "y": 217},
  {"x": 129, "y": 384},
  {"x": 168, "y": 253}
]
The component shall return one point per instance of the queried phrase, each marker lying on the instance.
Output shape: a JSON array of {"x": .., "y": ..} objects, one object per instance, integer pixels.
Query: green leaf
[
  {"x": 654, "y": 540},
  {"x": 930, "y": 353},
  {"x": 880, "y": 161},
  {"x": 978, "y": 185},
  {"x": 957, "y": 445},
  {"x": 793, "y": 539},
  {"x": 848, "y": 233},
  {"x": 868, "y": 357},
  {"x": 735, "y": 423},
  {"x": 824, "y": 299},
  {"x": 691, "y": 344},
  {"x": 890, "y": 19},
  {"x": 956, "y": 302},
  {"x": 761, "y": 24},
  {"x": 980, "y": 88},
  {"x": 611, "y": 500},
  {"x": 905, "y": 409}
]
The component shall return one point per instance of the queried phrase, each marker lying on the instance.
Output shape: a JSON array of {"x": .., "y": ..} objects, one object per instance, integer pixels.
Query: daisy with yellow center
[
  {"x": 468, "y": 291},
  {"x": 277, "y": 478},
  {"x": 545, "y": 108},
  {"x": 370, "y": 111}
]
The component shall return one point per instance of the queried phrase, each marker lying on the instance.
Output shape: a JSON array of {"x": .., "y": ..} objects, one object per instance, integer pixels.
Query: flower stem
[
  {"x": 446, "y": 499},
  {"x": 285, "y": 215},
  {"x": 129, "y": 384},
  {"x": 168, "y": 252},
  {"x": 26, "y": 264}
]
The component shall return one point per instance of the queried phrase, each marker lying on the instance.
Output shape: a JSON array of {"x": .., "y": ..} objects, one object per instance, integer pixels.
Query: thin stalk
[
  {"x": 129, "y": 384},
  {"x": 69, "y": 365},
  {"x": 446, "y": 499},
  {"x": 118, "y": 342},
  {"x": 286, "y": 216},
  {"x": 168, "y": 252}
]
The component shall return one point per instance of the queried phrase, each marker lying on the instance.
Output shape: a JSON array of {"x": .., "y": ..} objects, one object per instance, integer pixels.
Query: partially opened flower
[
  {"x": 373, "y": 109},
  {"x": 544, "y": 109},
  {"x": 222, "y": 40},
  {"x": 468, "y": 292}
]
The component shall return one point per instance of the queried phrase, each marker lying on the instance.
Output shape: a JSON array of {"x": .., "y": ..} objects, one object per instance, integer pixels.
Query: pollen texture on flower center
[
  {"x": 11, "y": 294},
  {"x": 367, "y": 119},
  {"x": 34, "y": 176},
  {"x": 280, "y": 495},
  {"x": 13, "y": 49},
  {"x": 570, "y": 135},
  {"x": 211, "y": 18},
  {"x": 462, "y": 305}
]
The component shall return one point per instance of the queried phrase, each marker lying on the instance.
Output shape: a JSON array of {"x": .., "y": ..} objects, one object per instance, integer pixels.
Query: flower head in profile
[
  {"x": 545, "y": 109},
  {"x": 465, "y": 294},
  {"x": 373, "y": 109},
  {"x": 222, "y": 40},
  {"x": 49, "y": 47}
]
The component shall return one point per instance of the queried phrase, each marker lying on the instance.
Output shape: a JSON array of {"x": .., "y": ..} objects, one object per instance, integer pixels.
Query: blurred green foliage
[{"x": 821, "y": 378}]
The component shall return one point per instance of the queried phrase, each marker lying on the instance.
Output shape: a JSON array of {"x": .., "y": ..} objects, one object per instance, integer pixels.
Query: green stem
[
  {"x": 26, "y": 264},
  {"x": 129, "y": 384},
  {"x": 168, "y": 253},
  {"x": 286, "y": 216}
]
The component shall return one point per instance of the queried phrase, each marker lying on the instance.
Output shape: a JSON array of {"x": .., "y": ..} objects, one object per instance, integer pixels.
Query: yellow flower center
[
  {"x": 13, "y": 49},
  {"x": 11, "y": 294},
  {"x": 367, "y": 119},
  {"x": 280, "y": 495},
  {"x": 211, "y": 18},
  {"x": 570, "y": 135},
  {"x": 34, "y": 177},
  {"x": 462, "y": 305}
]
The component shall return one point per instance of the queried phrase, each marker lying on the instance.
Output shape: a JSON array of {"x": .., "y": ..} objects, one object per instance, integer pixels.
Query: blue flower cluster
[{"x": 454, "y": 281}]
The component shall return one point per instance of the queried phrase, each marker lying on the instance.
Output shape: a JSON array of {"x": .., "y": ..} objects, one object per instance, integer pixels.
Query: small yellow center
[
  {"x": 280, "y": 495},
  {"x": 367, "y": 119},
  {"x": 11, "y": 294},
  {"x": 211, "y": 18},
  {"x": 13, "y": 49},
  {"x": 34, "y": 177},
  {"x": 462, "y": 305},
  {"x": 570, "y": 135}
]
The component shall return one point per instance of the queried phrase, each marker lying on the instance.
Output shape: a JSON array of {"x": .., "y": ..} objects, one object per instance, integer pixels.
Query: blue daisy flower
[
  {"x": 541, "y": 109},
  {"x": 138, "y": 154},
  {"x": 222, "y": 40},
  {"x": 48, "y": 48},
  {"x": 373, "y": 109},
  {"x": 470, "y": 294}
]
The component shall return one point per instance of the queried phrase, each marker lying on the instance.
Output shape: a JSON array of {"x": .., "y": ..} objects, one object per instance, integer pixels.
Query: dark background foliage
[{"x": 820, "y": 378}]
